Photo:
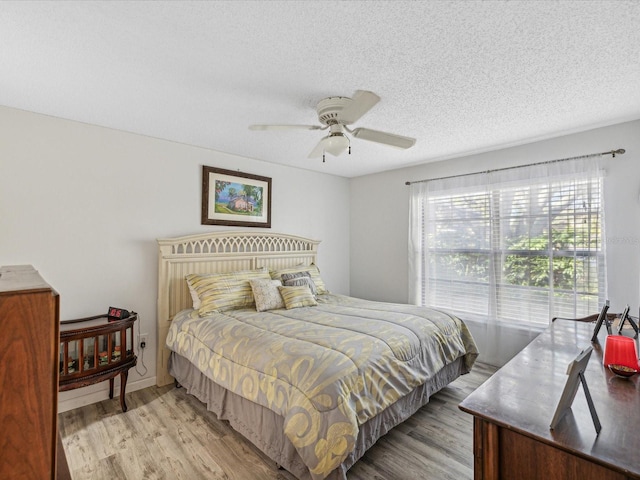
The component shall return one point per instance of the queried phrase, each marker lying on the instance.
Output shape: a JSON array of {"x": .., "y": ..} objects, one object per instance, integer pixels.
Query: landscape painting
[{"x": 235, "y": 198}]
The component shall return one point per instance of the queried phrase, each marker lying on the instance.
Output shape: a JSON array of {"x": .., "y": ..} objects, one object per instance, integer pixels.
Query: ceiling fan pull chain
[
  {"x": 322, "y": 157},
  {"x": 349, "y": 149}
]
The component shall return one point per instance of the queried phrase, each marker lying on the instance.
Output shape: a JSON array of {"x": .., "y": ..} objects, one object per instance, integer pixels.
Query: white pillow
[
  {"x": 194, "y": 297},
  {"x": 266, "y": 294}
]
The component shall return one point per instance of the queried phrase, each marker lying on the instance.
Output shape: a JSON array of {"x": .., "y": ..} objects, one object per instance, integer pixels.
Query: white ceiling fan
[{"x": 335, "y": 113}]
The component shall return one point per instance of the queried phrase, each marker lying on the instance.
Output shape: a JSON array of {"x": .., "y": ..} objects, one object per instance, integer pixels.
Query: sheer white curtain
[{"x": 509, "y": 249}]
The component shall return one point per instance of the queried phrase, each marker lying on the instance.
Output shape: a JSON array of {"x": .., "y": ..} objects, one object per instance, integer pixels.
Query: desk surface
[{"x": 522, "y": 396}]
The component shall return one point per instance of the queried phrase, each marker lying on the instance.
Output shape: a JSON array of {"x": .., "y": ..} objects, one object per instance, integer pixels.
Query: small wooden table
[
  {"x": 95, "y": 349},
  {"x": 513, "y": 409}
]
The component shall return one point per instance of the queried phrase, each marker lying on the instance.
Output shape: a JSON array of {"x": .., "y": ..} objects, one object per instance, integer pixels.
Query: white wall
[
  {"x": 84, "y": 205},
  {"x": 380, "y": 212}
]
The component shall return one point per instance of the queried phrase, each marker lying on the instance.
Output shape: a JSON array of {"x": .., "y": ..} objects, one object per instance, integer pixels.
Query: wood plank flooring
[{"x": 167, "y": 434}]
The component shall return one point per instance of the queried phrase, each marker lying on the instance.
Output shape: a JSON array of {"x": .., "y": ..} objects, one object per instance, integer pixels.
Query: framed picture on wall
[{"x": 235, "y": 198}]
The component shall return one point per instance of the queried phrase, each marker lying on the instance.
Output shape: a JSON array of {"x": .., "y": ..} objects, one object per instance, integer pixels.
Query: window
[{"x": 515, "y": 249}]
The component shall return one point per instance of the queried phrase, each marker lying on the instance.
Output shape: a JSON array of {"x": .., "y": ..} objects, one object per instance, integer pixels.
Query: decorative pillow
[
  {"x": 219, "y": 292},
  {"x": 266, "y": 294},
  {"x": 298, "y": 279},
  {"x": 295, "y": 297},
  {"x": 194, "y": 296},
  {"x": 313, "y": 271},
  {"x": 290, "y": 276}
]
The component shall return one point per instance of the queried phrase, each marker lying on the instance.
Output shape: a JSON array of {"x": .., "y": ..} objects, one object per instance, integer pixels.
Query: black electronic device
[{"x": 115, "y": 313}]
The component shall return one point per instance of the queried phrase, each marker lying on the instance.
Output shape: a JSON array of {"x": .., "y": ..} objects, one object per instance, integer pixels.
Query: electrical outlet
[{"x": 142, "y": 340}]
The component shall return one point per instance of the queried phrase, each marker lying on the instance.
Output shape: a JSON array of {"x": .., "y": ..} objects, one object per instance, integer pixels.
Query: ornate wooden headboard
[{"x": 216, "y": 252}]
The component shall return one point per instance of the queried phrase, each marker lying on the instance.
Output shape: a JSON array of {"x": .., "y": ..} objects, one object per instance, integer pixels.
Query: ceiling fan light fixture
[{"x": 335, "y": 143}]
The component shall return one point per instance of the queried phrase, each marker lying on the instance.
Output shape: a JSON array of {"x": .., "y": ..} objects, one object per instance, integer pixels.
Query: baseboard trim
[{"x": 91, "y": 397}]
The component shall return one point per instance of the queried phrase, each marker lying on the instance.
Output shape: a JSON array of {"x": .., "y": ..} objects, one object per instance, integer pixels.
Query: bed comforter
[{"x": 325, "y": 369}]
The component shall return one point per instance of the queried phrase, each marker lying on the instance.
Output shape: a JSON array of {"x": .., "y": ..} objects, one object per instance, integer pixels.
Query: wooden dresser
[
  {"x": 29, "y": 343},
  {"x": 513, "y": 409}
]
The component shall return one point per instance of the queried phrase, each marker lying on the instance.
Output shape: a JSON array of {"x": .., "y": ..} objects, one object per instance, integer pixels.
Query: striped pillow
[
  {"x": 298, "y": 279},
  {"x": 295, "y": 297},
  {"x": 313, "y": 271},
  {"x": 219, "y": 292}
]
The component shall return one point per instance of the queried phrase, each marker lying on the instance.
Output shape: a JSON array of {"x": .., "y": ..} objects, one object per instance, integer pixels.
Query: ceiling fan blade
[
  {"x": 318, "y": 150},
  {"x": 286, "y": 127},
  {"x": 383, "y": 137},
  {"x": 362, "y": 102}
]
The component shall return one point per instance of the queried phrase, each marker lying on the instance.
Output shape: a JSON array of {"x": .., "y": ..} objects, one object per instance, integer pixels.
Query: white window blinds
[{"x": 518, "y": 246}]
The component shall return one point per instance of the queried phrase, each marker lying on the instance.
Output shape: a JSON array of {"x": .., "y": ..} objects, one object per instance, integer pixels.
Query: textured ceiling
[{"x": 459, "y": 76}]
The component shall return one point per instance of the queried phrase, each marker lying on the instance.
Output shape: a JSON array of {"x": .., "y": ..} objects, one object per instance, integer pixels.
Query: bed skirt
[{"x": 265, "y": 429}]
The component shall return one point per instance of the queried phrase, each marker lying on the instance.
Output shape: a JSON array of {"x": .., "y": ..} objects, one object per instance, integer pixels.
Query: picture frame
[
  {"x": 602, "y": 318},
  {"x": 575, "y": 372},
  {"x": 235, "y": 198}
]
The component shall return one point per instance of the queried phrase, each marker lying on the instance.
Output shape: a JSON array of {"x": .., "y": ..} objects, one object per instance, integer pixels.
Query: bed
[{"x": 314, "y": 379}]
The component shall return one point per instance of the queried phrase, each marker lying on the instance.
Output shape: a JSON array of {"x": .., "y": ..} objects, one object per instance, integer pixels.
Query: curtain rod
[{"x": 613, "y": 153}]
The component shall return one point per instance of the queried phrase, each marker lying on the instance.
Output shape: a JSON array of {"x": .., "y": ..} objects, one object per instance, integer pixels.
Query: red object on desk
[{"x": 620, "y": 350}]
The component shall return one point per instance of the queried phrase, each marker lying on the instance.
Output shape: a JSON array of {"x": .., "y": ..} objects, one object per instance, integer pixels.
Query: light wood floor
[{"x": 167, "y": 434}]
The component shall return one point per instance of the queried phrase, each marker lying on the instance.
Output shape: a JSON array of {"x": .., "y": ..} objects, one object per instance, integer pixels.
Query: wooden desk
[{"x": 513, "y": 409}]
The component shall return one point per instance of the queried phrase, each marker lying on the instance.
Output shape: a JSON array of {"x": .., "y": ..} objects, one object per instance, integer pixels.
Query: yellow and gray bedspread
[{"x": 326, "y": 369}]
